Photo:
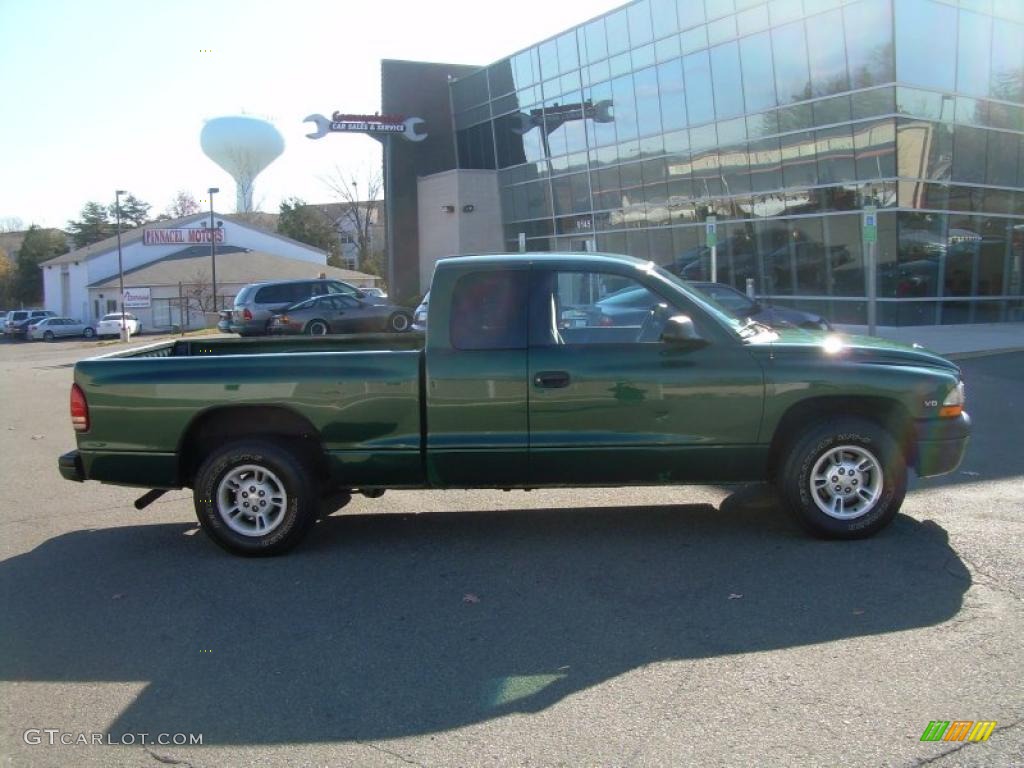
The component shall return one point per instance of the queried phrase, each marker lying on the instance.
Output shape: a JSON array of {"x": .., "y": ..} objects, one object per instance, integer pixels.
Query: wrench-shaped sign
[{"x": 370, "y": 124}]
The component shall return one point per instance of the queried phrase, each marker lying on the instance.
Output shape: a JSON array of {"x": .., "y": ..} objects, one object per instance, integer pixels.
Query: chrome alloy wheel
[
  {"x": 846, "y": 482},
  {"x": 251, "y": 500}
]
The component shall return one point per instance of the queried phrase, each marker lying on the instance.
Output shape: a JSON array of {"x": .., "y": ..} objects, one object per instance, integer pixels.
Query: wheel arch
[
  {"x": 221, "y": 424},
  {"x": 888, "y": 413}
]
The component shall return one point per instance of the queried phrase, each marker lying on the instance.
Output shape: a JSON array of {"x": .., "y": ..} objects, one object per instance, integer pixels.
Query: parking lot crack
[
  {"x": 391, "y": 752},
  {"x": 167, "y": 760}
]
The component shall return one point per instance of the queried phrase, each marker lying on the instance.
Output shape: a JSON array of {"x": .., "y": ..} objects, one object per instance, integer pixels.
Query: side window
[
  {"x": 604, "y": 308},
  {"x": 319, "y": 288},
  {"x": 345, "y": 302},
  {"x": 489, "y": 310},
  {"x": 269, "y": 294}
]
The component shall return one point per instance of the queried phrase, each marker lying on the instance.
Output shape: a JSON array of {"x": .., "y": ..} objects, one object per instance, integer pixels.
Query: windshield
[
  {"x": 744, "y": 329},
  {"x": 733, "y": 301}
]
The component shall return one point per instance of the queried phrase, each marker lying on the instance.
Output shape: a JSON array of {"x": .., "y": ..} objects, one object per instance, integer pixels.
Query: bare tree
[
  {"x": 183, "y": 204},
  {"x": 11, "y": 224},
  {"x": 198, "y": 294},
  {"x": 362, "y": 212}
]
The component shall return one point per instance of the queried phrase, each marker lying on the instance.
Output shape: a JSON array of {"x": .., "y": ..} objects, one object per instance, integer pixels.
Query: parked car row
[
  {"x": 46, "y": 325},
  {"x": 312, "y": 307},
  {"x": 17, "y": 321}
]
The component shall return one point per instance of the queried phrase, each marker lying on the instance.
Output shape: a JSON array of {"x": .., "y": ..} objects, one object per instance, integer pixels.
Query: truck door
[
  {"x": 610, "y": 403},
  {"x": 476, "y": 383}
]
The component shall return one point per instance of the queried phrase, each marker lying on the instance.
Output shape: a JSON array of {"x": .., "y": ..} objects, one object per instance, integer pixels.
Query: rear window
[
  {"x": 489, "y": 310},
  {"x": 244, "y": 295}
]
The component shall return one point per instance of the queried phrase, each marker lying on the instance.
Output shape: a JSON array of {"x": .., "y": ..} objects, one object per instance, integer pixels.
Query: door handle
[{"x": 551, "y": 379}]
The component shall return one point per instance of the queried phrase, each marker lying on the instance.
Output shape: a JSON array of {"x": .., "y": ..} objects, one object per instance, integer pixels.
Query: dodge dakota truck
[{"x": 520, "y": 381}]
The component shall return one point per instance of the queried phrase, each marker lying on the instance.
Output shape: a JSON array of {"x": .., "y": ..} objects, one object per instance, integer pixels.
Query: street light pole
[
  {"x": 213, "y": 248},
  {"x": 120, "y": 264}
]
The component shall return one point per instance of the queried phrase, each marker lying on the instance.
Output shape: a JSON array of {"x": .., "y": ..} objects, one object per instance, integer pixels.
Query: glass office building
[{"x": 783, "y": 119}]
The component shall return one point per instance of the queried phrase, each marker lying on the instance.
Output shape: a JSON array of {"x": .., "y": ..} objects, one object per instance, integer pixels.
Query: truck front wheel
[
  {"x": 844, "y": 478},
  {"x": 254, "y": 498}
]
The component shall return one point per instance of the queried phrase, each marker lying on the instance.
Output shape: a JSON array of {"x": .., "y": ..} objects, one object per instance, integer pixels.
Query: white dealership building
[{"x": 176, "y": 255}]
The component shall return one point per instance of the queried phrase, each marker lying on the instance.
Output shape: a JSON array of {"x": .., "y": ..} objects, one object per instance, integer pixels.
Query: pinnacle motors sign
[
  {"x": 368, "y": 123},
  {"x": 380, "y": 127},
  {"x": 180, "y": 236}
]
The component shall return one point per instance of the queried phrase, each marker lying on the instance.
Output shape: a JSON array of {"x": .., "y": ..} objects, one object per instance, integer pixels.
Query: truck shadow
[{"x": 392, "y": 625}]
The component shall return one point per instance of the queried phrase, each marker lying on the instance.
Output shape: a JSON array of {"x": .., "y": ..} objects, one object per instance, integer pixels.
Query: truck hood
[{"x": 841, "y": 346}]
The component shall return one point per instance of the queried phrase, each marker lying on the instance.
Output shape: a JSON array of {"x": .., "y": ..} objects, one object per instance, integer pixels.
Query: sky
[{"x": 112, "y": 94}]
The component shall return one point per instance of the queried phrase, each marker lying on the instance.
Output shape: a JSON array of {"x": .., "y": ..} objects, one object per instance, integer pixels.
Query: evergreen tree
[
  {"x": 38, "y": 246},
  {"x": 307, "y": 225},
  {"x": 95, "y": 225},
  {"x": 134, "y": 212}
]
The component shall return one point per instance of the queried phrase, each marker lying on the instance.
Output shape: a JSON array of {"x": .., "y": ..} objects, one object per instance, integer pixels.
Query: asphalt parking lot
[{"x": 668, "y": 626}]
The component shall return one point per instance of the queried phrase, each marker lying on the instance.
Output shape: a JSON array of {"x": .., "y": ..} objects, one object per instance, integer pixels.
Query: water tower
[{"x": 243, "y": 146}]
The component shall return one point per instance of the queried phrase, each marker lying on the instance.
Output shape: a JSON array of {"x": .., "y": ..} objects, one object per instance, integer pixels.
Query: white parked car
[
  {"x": 110, "y": 325},
  {"x": 50, "y": 328},
  {"x": 419, "y": 317}
]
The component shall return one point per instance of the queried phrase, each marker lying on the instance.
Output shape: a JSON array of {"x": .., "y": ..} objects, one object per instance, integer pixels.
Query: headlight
[{"x": 953, "y": 405}]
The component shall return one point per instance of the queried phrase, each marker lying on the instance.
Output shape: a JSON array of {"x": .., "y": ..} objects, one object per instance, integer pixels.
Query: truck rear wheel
[
  {"x": 844, "y": 479},
  {"x": 255, "y": 498}
]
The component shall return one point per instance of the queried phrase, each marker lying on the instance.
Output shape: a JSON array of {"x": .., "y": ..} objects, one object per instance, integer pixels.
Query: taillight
[
  {"x": 246, "y": 315},
  {"x": 79, "y": 409}
]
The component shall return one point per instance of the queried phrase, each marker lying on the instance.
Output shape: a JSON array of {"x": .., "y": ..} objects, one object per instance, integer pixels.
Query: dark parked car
[
  {"x": 257, "y": 303},
  {"x": 742, "y": 306},
  {"x": 338, "y": 313}
]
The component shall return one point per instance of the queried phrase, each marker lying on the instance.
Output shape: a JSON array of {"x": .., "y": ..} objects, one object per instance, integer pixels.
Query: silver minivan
[{"x": 256, "y": 303}]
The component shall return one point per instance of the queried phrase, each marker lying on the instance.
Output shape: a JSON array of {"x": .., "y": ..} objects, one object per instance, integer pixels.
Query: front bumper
[
  {"x": 941, "y": 444},
  {"x": 70, "y": 466}
]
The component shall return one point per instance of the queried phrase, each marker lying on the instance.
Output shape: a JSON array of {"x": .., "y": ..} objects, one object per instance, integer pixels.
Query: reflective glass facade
[{"x": 782, "y": 119}]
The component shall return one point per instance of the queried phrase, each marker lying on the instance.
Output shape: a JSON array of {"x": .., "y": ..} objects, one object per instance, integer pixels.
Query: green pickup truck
[{"x": 526, "y": 377}]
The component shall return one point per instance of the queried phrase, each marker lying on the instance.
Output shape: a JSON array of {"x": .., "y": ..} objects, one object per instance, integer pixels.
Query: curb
[{"x": 983, "y": 353}]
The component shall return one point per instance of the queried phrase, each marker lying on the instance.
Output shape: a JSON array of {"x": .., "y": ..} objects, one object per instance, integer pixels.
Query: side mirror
[{"x": 680, "y": 331}]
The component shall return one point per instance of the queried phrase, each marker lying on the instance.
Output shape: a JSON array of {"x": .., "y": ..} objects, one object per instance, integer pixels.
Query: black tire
[
  {"x": 88, "y": 333},
  {"x": 399, "y": 322},
  {"x": 318, "y": 328},
  {"x": 48, "y": 336},
  {"x": 296, "y": 515},
  {"x": 825, "y": 441}
]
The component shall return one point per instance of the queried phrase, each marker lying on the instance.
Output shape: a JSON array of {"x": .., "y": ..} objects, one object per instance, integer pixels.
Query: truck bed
[{"x": 360, "y": 394}]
